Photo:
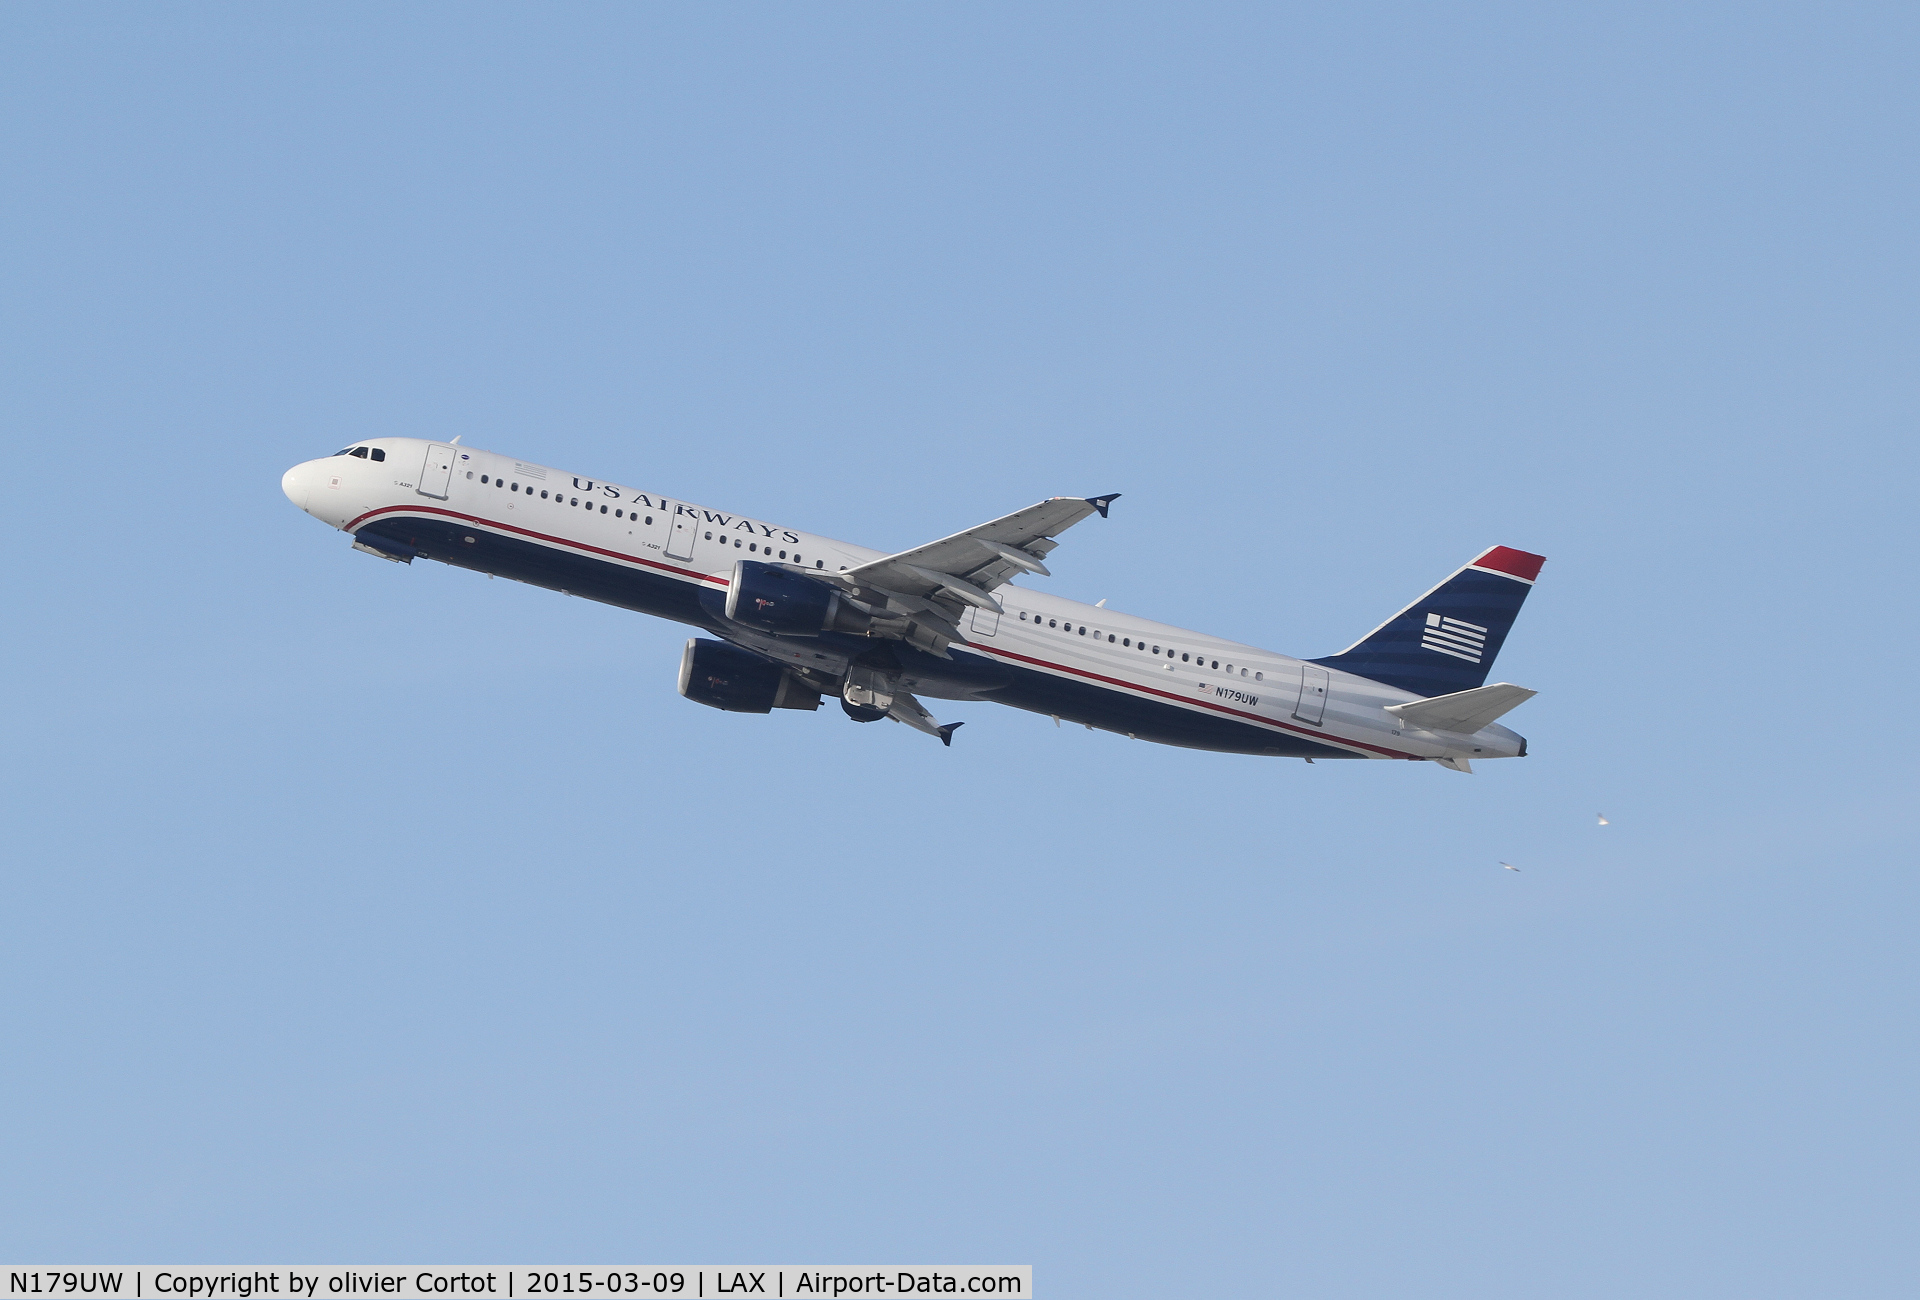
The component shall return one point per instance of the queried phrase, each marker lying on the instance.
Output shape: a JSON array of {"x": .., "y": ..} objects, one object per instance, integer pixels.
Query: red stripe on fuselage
[
  {"x": 1188, "y": 700},
  {"x": 545, "y": 537},
  {"x": 971, "y": 645}
]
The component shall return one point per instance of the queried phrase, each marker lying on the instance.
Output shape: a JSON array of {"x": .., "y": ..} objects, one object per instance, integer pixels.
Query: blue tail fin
[{"x": 1446, "y": 640}]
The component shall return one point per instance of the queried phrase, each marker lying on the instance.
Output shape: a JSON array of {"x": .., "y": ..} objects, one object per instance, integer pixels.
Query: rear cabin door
[
  {"x": 436, "y": 472},
  {"x": 1313, "y": 695},
  {"x": 682, "y": 528}
]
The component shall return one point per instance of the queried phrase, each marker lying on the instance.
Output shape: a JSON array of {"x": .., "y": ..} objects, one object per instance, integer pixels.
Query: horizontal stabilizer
[{"x": 1463, "y": 711}]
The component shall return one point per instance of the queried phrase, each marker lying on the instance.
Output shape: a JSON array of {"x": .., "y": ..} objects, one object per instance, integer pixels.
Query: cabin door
[
  {"x": 1313, "y": 695},
  {"x": 436, "y": 472}
]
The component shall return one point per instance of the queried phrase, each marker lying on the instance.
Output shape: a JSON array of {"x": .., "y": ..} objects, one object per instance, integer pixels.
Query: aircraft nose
[{"x": 296, "y": 483}]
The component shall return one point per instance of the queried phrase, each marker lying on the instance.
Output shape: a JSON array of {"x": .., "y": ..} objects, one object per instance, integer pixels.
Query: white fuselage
[{"x": 1107, "y": 669}]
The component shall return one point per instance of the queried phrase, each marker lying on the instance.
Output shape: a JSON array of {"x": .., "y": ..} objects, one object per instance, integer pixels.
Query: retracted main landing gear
[{"x": 873, "y": 693}]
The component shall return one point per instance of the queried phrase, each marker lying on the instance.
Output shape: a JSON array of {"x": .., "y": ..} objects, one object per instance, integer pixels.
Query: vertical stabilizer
[{"x": 1446, "y": 641}]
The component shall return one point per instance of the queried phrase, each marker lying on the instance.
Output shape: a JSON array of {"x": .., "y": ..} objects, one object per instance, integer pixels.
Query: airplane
[{"x": 792, "y": 617}]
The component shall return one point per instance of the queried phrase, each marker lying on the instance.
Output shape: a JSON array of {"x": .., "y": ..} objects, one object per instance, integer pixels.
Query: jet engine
[
  {"x": 723, "y": 676},
  {"x": 769, "y": 598}
]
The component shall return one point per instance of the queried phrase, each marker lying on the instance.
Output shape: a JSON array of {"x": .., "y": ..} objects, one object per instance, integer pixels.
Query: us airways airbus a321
[{"x": 792, "y": 616}]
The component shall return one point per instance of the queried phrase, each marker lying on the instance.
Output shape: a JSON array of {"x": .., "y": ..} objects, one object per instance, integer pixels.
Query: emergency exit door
[{"x": 1313, "y": 695}]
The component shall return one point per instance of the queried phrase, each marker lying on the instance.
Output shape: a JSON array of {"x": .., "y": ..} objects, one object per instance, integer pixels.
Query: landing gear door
[
  {"x": 682, "y": 528},
  {"x": 436, "y": 472},
  {"x": 1313, "y": 695}
]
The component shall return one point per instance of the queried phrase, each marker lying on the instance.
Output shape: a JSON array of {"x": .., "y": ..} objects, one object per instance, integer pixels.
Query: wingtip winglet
[
  {"x": 946, "y": 733},
  {"x": 1101, "y": 503}
]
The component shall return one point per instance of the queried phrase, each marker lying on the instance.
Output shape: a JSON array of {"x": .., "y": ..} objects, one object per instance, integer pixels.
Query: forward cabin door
[
  {"x": 437, "y": 472},
  {"x": 682, "y": 528},
  {"x": 1313, "y": 695}
]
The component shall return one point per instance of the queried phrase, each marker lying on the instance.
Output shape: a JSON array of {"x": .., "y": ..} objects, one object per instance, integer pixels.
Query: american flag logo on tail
[{"x": 1452, "y": 636}]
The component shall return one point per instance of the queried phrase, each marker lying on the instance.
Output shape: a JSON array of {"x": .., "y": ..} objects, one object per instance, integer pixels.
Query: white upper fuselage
[{"x": 1042, "y": 633}]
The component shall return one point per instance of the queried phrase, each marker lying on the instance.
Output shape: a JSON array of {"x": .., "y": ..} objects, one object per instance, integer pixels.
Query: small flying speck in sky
[
  {"x": 1509, "y": 866},
  {"x": 1603, "y": 819}
]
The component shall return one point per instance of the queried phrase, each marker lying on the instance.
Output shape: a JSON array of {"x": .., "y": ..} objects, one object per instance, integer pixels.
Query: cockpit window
[
  {"x": 344, "y": 451},
  {"x": 377, "y": 454},
  {"x": 361, "y": 452}
]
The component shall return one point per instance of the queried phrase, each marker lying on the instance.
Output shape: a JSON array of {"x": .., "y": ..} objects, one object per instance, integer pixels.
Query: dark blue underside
[{"x": 681, "y": 600}]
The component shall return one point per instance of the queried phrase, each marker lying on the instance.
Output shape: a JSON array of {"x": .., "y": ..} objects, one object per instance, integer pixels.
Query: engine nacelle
[
  {"x": 723, "y": 676},
  {"x": 771, "y": 599}
]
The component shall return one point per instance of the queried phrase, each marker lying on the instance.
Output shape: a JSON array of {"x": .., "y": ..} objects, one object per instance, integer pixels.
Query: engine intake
[
  {"x": 768, "y": 598},
  {"x": 723, "y": 676}
]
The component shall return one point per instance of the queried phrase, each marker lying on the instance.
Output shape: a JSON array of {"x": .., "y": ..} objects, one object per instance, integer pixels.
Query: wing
[{"x": 927, "y": 588}]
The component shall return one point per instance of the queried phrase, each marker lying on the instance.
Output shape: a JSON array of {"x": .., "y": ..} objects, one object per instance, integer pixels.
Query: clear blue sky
[{"x": 360, "y": 913}]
